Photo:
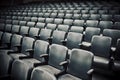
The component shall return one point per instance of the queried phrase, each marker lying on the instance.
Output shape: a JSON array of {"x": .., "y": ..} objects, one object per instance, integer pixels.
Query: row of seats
[
  {"x": 99, "y": 17},
  {"x": 38, "y": 47},
  {"x": 54, "y": 23},
  {"x": 33, "y": 48},
  {"x": 63, "y": 32}
]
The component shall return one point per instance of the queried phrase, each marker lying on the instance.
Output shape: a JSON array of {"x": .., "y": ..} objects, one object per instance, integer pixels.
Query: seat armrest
[
  {"x": 63, "y": 63},
  {"x": 17, "y": 45},
  {"x": 43, "y": 55},
  {"x": 90, "y": 71},
  {"x": 31, "y": 51},
  {"x": 50, "y": 38}
]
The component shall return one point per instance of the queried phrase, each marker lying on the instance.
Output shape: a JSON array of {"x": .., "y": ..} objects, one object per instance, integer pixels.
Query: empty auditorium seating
[{"x": 60, "y": 40}]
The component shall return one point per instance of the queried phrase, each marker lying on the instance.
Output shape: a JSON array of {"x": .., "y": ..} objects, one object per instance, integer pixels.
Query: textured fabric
[
  {"x": 31, "y": 61},
  {"x": 50, "y": 69},
  {"x": 68, "y": 77},
  {"x": 101, "y": 62},
  {"x": 40, "y": 74},
  {"x": 17, "y": 55}
]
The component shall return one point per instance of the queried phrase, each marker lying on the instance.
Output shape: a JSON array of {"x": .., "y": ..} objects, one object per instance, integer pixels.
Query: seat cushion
[
  {"x": 100, "y": 62},
  {"x": 68, "y": 77},
  {"x": 31, "y": 61},
  {"x": 50, "y": 69},
  {"x": 17, "y": 55}
]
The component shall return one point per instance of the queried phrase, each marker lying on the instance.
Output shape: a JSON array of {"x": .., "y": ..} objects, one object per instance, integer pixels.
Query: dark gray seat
[
  {"x": 78, "y": 66},
  {"x": 44, "y": 34},
  {"x": 40, "y": 74},
  {"x": 63, "y": 27},
  {"x": 27, "y": 43},
  {"x": 114, "y": 34},
  {"x": 100, "y": 47},
  {"x": 89, "y": 33},
  {"x": 57, "y": 36},
  {"x": 73, "y": 40},
  {"x": 57, "y": 54},
  {"x": 77, "y": 29}
]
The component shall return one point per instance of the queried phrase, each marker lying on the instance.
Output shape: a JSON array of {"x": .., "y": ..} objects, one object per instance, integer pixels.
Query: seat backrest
[
  {"x": 15, "y": 29},
  {"x": 40, "y": 74},
  {"x": 85, "y": 16},
  {"x": 77, "y": 29},
  {"x": 106, "y": 17},
  {"x": 68, "y": 21},
  {"x": 58, "y": 36},
  {"x": 60, "y": 15},
  {"x": 114, "y": 34},
  {"x": 63, "y": 27},
  {"x": 80, "y": 63},
  {"x": 40, "y": 47},
  {"x": 51, "y": 26},
  {"x": 22, "y": 23},
  {"x": 24, "y": 30},
  {"x": 105, "y": 25},
  {"x": 100, "y": 46},
  {"x": 58, "y": 21},
  {"x": 49, "y": 20},
  {"x": 68, "y": 16},
  {"x": 91, "y": 23},
  {"x": 16, "y": 40},
  {"x": 53, "y": 15},
  {"x": 33, "y": 32},
  {"x": 15, "y": 22},
  {"x": 30, "y": 24},
  {"x": 90, "y": 32},
  {"x": 6, "y": 38},
  {"x": 57, "y": 54},
  {"x": 8, "y": 27},
  {"x": 45, "y": 34},
  {"x": 27, "y": 43},
  {"x": 78, "y": 22},
  {"x": 94, "y": 17},
  {"x": 76, "y": 16},
  {"x": 40, "y": 19},
  {"x": 2, "y": 26},
  {"x": 40, "y": 25},
  {"x": 20, "y": 70},
  {"x": 73, "y": 40},
  {"x": 34, "y": 19}
]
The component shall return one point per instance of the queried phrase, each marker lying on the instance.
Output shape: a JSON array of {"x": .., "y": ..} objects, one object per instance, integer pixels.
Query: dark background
[{"x": 16, "y": 2}]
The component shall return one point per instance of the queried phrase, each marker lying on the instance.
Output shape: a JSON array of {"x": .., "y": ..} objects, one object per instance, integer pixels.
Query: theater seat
[
  {"x": 57, "y": 54},
  {"x": 100, "y": 47},
  {"x": 89, "y": 33},
  {"x": 40, "y": 74},
  {"x": 73, "y": 40},
  {"x": 78, "y": 66},
  {"x": 114, "y": 34}
]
